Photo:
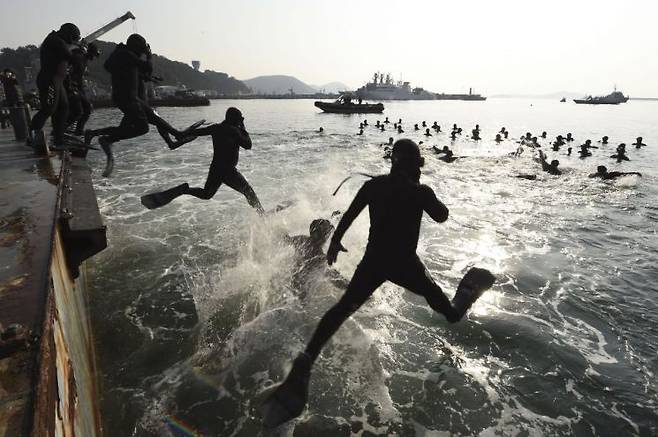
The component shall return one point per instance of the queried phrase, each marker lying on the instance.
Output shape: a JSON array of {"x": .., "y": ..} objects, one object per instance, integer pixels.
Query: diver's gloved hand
[{"x": 332, "y": 252}]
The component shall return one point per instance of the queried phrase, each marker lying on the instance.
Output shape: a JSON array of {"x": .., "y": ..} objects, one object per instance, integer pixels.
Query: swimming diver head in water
[
  {"x": 638, "y": 143},
  {"x": 603, "y": 173}
]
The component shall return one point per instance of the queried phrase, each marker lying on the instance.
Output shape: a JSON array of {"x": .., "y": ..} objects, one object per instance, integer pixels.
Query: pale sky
[{"x": 494, "y": 46}]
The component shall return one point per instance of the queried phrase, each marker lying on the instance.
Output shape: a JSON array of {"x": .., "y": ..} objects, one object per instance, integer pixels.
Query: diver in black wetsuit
[
  {"x": 603, "y": 173},
  {"x": 396, "y": 203},
  {"x": 621, "y": 153},
  {"x": 128, "y": 73},
  {"x": 638, "y": 143},
  {"x": 310, "y": 259},
  {"x": 549, "y": 168},
  {"x": 55, "y": 57},
  {"x": 79, "y": 106},
  {"x": 227, "y": 138}
]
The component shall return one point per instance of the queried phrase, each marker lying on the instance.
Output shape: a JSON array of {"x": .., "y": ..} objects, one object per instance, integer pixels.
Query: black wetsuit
[
  {"x": 310, "y": 261},
  {"x": 549, "y": 168},
  {"x": 612, "y": 175},
  {"x": 79, "y": 106},
  {"x": 226, "y": 140},
  {"x": 55, "y": 57},
  {"x": 128, "y": 93},
  {"x": 396, "y": 206}
]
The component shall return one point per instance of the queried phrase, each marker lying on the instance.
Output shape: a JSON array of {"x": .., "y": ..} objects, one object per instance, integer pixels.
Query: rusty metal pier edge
[{"x": 54, "y": 369}]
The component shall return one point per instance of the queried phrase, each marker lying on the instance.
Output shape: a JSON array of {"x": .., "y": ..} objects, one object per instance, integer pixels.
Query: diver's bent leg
[
  {"x": 414, "y": 276},
  {"x": 84, "y": 117},
  {"x": 133, "y": 124},
  {"x": 213, "y": 182},
  {"x": 75, "y": 111},
  {"x": 164, "y": 128},
  {"x": 235, "y": 180},
  {"x": 46, "y": 106},
  {"x": 367, "y": 278}
]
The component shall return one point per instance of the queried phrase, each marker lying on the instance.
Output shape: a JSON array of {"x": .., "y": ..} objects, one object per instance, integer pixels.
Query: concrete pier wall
[{"x": 49, "y": 226}]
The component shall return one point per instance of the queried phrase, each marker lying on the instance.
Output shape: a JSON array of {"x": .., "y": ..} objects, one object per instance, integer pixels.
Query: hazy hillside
[
  {"x": 173, "y": 72},
  {"x": 278, "y": 84}
]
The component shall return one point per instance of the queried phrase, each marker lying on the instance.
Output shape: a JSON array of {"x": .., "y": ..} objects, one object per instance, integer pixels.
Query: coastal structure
[{"x": 49, "y": 225}]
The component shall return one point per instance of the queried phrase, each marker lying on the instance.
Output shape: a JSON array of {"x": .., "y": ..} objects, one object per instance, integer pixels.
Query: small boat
[
  {"x": 344, "y": 105},
  {"x": 563, "y": 99},
  {"x": 614, "y": 98}
]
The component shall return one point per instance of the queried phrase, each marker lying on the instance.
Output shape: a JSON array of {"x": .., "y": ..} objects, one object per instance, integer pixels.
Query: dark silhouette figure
[
  {"x": 588, "y": 145},
  {"x": 498, "y": 138},
  {"x": 360, "y": 131},
  {"x": 621, "y": 153},
  {"x": 128, "y": 73},
  {"x": 227, "y": 138},
  {"x": 55, "y": 57},
  {"x": 549, "y": 168},
  {"x": 320, "y": 130},
  {"x": 475, "y": 133},
  {"x": 603, "y": 173},
  {"x": 386, "y": 121},
  {"x": 416, "y": 127},
  {"x": 584, "y": 152},
  {"x": 396, "y": 203},
  {"x": 447, "y": 154},
  {"x": 80, "y": 108},
  {"x": 604, "y": 140},
  {"x": 638, "y": 143},
  {"x": 569, "y": 137},
  {"x": 543, "y": 135},
  {"x": 310, "y": 260},
  {"x": 427, "y": 132}
]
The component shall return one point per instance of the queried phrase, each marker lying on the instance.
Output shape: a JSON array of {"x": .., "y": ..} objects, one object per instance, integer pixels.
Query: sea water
[{"x": 195, "y": 312}]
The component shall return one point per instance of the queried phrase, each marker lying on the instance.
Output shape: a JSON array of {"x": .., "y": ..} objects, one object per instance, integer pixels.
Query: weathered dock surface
[{"x": 49, "y": 224}]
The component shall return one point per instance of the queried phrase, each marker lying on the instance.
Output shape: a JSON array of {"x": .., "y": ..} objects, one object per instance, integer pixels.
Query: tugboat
[
  {"x": 344, "y": 105},
  {"x": 614, "y": 98}
]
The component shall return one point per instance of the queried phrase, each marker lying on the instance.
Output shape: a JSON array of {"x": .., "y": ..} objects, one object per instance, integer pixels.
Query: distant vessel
[
  {"x": 344, "y": 105},
  {"x": 563, "y": 99},
  {"x": 383, "y": 88},
  {"x": 614, "y": 98},
  {"x": 469, "y": 96}
]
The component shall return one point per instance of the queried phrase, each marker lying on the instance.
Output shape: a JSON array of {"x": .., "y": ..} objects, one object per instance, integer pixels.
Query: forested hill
[{"x": 173, "y": 72}]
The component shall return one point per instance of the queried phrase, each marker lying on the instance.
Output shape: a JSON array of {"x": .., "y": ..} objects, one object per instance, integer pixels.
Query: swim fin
[
  {"x": 76, "y": 143},
  {"x": 185, "y": 136},
  {"x": 156, "y": 200},
  {"x": 193, "y": 126},
  {"x": 475, "y": 282},
  {"x": 289, "y": 399}
]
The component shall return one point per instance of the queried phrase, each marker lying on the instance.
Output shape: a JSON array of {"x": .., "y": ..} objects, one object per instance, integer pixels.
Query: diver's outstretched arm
[
  {"x": 433, "y": 206},
  {"x": 360, "y": 201}
]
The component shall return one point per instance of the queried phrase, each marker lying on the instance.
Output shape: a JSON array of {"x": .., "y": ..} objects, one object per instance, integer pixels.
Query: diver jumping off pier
[
  {"x": 128, "y": 71},
  {"x": 396, "y": 204},
  {"x": 227, "y": 138}
]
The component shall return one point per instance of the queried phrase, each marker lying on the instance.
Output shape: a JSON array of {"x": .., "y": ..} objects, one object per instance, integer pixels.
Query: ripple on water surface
[{"x": 196, "y": 314}]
